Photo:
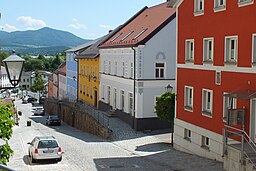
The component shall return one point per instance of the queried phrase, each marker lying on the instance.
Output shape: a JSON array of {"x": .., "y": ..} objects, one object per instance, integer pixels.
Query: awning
[{"x": 242, "y": 94}]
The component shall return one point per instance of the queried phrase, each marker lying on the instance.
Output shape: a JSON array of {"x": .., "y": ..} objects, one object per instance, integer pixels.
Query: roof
[
  {"x": 93, "y": 50},
  {"x": 81, "y": 47},
  {"x": 61, "y": 69},
  {"x": 242, "y": 94},
  {"x": 142, "y": 26}
]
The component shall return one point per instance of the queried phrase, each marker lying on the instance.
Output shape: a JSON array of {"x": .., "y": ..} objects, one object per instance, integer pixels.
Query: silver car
[{"x": 44, "y": 148}]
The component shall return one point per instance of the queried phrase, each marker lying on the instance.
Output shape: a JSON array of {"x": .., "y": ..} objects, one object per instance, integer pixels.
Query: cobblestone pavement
[{"x": 128, "y": 151}]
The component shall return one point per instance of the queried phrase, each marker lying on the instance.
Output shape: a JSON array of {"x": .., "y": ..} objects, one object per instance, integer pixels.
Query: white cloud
[
  {"x": 31, "y": 23},
  {"x": 74, "y": 20},
  {"x": 77, "y": 26},
  {"x": 106, "y": 26},
  {"x": 8, "y": 28}
]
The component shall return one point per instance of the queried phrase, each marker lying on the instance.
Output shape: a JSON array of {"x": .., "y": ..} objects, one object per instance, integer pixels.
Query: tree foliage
[
  {"x": 38, "y": 84},
  {"x": 6, "y": 124},
  {"x": 165, "y": 106},
  {"x": 3, "y": 55}
]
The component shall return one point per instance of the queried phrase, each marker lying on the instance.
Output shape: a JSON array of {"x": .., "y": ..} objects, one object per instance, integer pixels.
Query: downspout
[
  {"x": 134, "y": 74},
  {"x": 77, "y": 75}
]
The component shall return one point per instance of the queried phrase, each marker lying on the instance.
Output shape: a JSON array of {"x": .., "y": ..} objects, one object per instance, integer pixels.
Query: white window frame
[
  {"x": 159, "y": 70},
  {"x": 131, "y": 70},
  {"x": 187, "y": 134},
  {"x": 207, "y": 109},
  {"x": 218, "y": 74},
  {"x": 254, "y": 48},
  {"x": 197, "y": 5},
  {"x": 114, "y": 98},
  {"x": 218, "y": 6},
  {"x": 123, "y": 69},
  {"x": 205, "y": 142},
  {"x": 242, "y": 3},
  {"x": 122, "y": 100},
  {"x": 189, "y": 55},
  {"x": 108, "y": 94},
  {"x": 228, "y": 50},
  {"x": 226, "y": 106},
  {"x": 115, "y": 71},
  {"x": 104, "y": 66},
  {"x": 206, "y": 49},
  {"x": 130, "y": 102},
  {"x": 188, "y": 101},
  {"x": 109, "y": 67}
]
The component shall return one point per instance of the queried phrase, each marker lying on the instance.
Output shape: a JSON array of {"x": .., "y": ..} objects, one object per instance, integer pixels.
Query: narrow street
[{"x": 83, "y": 151}]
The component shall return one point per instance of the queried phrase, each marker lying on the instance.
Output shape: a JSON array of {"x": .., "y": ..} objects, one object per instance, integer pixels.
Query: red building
[{"x": 216, "y": 55}]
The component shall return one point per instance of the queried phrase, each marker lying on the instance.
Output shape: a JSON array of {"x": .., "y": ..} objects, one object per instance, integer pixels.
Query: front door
[
  {"x": 95, "y": 98},
  {"x": 253, "y": 120}
]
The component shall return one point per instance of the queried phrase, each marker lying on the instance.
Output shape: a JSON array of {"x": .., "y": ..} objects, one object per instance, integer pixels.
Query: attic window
[
  {"x": 140, "y": 33},
  {"x": 116, "y": 37},
  {"x": 127, "y": 35}
]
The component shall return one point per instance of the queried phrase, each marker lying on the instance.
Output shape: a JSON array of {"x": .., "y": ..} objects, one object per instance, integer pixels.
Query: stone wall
[{"x": 73, "y": 116}]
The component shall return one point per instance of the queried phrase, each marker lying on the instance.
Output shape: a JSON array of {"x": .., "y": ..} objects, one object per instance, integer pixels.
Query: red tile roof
[{"x": 141, "y": 27}]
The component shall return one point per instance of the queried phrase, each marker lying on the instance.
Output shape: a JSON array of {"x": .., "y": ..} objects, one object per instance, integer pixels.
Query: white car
[{"x": 44, "y": 148}]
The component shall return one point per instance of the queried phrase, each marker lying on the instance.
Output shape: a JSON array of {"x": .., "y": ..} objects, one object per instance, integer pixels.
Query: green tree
[
  {"x": 165, "y": 106},
  {"x": 3, "y": 55},
  {"x": 38, "y": 84},
  {"x": 56, "y": 62},
  {"x": 6, "y": 125}
]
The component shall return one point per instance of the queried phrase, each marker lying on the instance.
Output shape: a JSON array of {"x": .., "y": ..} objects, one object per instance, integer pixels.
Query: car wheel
[
  {"x": 59, "y": 159},
  {"x": 33, "y": 160}
]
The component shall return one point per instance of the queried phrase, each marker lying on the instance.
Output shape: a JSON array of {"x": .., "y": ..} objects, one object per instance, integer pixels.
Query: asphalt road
[{"x": 83, "y": 151}]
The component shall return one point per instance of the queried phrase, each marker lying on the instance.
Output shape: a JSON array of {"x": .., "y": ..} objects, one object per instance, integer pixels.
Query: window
[
  {"x": 131, "y": 73},
  {"x": 254, "y": 48},
  {"x": 140, "y": 33},
  {"x": 199, "y": 7},
  {"x": 188, "y": 98},
  {"x": 116, "y": 37},
  {"x": 219, "y": 5},
  {"x": 115, "y": 71},
  {"x": 205, "y": 142},
  {"x": 218, "y": 78},
  {"x": 231, "y": 49},
  {"x": 189, "y": 50},
  {"x": 208, "y": 49},
  {"x": 159, "y": 70},
  {"x": 114, "y": 98},
  {"x": 122, "y": 100},
  {"x": 127, "y": 35},
  {"x": 104, "y": 66},
  {"x": 242, "y": 3},
  {"x": 187, "y": 134},
  {"x": 130, "y": 100},
  {"x": 103, "y": 92},
  {"x": 108, "y": 95},
  {"x": 109, "y": 67},
  {"x": 228, "y": 103},
  {"x": 207, "y": 102},
  {"x": 123, "y": 69}
]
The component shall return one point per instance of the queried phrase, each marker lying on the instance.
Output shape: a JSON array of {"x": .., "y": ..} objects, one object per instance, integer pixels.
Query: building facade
[
  {"x": 215, "y": 72},
  {"x": 136, "y": 64}
]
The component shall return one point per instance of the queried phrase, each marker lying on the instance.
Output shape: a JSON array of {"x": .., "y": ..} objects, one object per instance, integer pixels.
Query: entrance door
[
  {"x": 95, "y": 98},
  {"x": 253, "y": 120}
]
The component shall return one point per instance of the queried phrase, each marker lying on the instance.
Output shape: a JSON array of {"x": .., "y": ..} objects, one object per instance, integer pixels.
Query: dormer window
[
  {"x": 198, "y": 7},
  {"x": 116, "y": 37},
  {"x": 139, "y": 34},
  {"x": 127, "y": 35}
]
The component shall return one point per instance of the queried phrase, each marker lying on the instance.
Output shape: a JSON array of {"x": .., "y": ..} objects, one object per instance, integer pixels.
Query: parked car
[
  {"x": 44, "y": 148},
  {"x": 53, "y": 120},
  {"x": 42, "y": 99},
  {"x": 31, "y": 100},
  {"x": 39, "y": 111}
]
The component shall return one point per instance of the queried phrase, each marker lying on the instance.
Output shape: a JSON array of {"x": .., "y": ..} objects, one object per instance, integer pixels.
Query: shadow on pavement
[
  {"x": 170, "y": 160},
  {"x": 27, "y": 161},
  {"x": 154, "y": 147}
]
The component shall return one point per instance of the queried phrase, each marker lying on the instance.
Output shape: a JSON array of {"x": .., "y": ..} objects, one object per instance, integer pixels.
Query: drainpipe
[
  {"x": 77, "y": 75},
  {"x": 134, "y": 75}
]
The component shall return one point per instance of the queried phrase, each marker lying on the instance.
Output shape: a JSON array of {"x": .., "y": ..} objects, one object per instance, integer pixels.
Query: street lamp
[
  {"x": 14, "y": 66},
  {"x": 168, "y": 88}
]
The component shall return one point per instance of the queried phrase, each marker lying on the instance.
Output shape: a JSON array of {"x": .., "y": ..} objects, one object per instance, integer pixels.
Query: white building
[{"x": 136, "y": 65}]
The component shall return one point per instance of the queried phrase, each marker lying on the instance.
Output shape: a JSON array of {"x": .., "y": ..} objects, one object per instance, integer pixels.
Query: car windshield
[{"x": 47, "y": 144}]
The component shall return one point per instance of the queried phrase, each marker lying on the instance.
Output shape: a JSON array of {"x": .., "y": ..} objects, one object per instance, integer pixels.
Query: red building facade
[{"x": 216, "y": 55}]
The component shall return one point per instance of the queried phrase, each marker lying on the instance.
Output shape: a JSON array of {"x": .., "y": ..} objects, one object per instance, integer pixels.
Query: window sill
[
  {"x": 208, "y": 62},
  {"x": 219, "y": 8},
  {"x": 199, "y": 13},
  {"x": 245, "y": 3},
  {"x": 207, "y": 114},
  {"x": 188, "y": 108},
  {"x": 205, "y": 147},
  {"x": 189, "y": 61},
  {"x": 231, "y": 62},
  {"x": 188, "y": 139}
]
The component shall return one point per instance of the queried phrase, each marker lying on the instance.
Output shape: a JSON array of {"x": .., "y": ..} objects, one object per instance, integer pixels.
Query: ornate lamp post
[
  {"x": 14, "y": 66},
  {"x": 168, "y": 89}
]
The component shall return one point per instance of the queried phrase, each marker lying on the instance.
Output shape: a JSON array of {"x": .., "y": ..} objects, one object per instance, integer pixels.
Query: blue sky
[{"x": 84, "y": 18}]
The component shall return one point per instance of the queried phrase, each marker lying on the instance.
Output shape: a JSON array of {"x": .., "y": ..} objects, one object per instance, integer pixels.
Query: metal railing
[{"x": 245, "y": 138}]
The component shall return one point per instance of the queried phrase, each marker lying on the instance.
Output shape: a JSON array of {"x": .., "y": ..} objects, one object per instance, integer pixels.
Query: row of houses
[{"x": 204, "y": 49}]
